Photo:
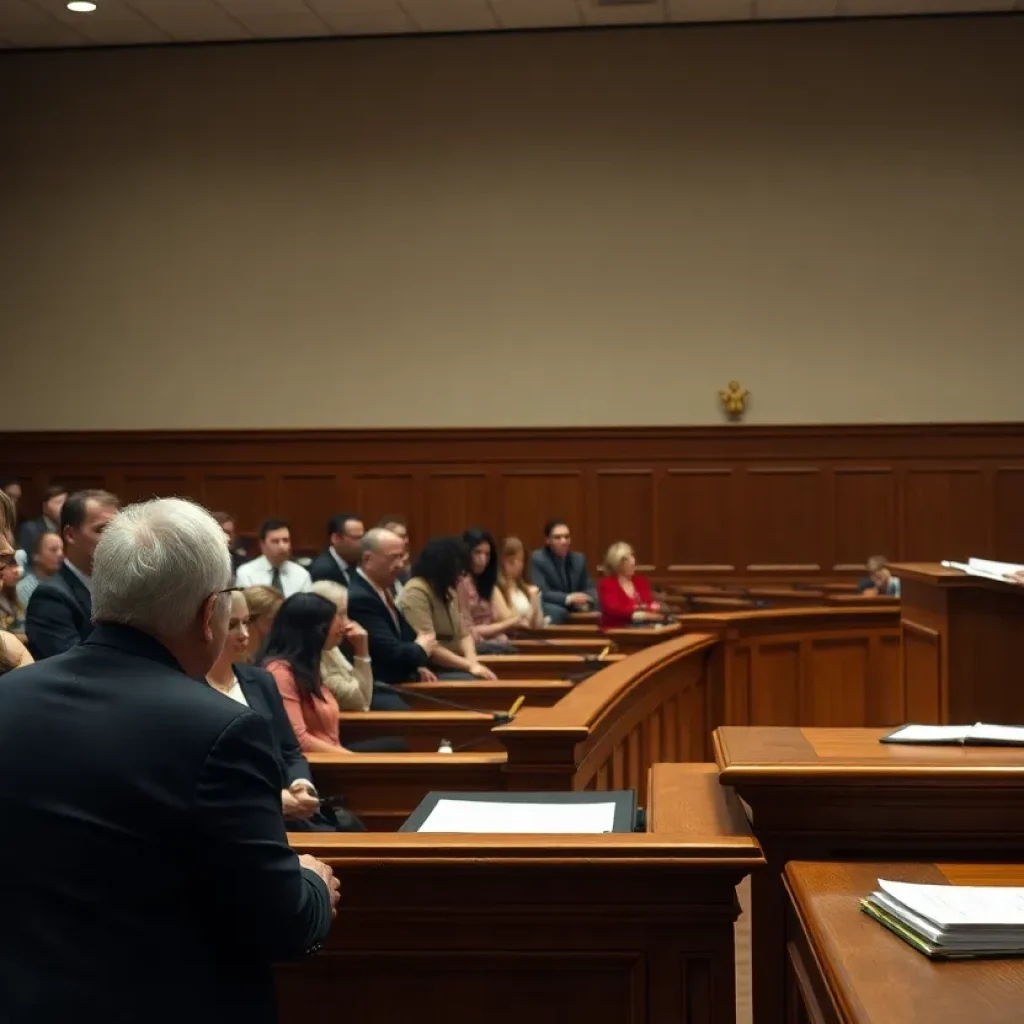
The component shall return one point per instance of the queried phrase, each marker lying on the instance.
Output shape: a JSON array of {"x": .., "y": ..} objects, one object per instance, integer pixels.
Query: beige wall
[{"x": 597, "y": 228}]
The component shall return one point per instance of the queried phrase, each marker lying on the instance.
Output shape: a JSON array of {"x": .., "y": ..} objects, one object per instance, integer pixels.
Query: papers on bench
[
  {"x": 986, "y": 568},
  {"x": 483, "y": 816},
  {"x": 951, "y": 921},
  {"x": 575, "y": 813},
  {"x": 977, "y": 735}
]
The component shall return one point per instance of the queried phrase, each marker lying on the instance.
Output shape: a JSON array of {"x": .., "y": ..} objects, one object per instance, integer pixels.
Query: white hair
[
  {"x": 155, "y": 565},
  {"x": 334, "y": 592}
]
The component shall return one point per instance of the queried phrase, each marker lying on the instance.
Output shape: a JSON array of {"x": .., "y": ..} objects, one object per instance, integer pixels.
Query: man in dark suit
[
  {"x": 340, "y": 559},
  {"x": 160, "y": 886},
  {"x": 49, "y": 522},
  {"x": 562, "y": 575},
  {"x": 397, "y": 652},
  {"x": 59, "y": 612}
]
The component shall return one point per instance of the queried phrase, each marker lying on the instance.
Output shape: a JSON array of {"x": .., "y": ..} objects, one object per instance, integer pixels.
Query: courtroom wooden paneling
[
  {"x": 608, "y": 929},
  {"x": 696, "y": 502},
  {"x": 962, "y": 641},
  {"x": 485, "y": 695},
  {"x": 423, "y": 730},
  {"x": 807, "y": 666}
]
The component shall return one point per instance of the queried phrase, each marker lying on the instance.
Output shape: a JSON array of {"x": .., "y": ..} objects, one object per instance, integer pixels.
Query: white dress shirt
[{"x": 259, "y": 573}]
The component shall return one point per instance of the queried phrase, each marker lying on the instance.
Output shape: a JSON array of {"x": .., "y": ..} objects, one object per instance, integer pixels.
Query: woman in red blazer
[{"x": 625, "y": 598}]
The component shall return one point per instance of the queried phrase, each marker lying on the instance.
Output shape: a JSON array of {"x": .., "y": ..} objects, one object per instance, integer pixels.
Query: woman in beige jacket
[{"x": 351, "y": 684}]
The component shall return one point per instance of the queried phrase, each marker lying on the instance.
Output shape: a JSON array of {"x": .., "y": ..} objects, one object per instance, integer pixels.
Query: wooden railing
[
  {"x": 611, "y": 728},
  {"x": 794, "y": 666}
]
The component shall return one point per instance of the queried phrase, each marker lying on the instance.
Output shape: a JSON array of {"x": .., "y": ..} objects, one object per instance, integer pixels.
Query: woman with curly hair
[{"x": 430, "y": 604}]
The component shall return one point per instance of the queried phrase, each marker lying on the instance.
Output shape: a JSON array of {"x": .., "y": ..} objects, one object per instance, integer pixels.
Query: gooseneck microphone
[{"x": 501, "y": 717}]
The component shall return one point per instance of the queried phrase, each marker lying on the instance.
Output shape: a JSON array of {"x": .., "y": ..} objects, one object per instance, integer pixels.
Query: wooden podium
[{"x": 962, "y": 639}]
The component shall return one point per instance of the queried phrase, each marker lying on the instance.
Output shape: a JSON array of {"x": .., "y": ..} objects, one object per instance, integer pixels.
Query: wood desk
[
  {"x": 818, "y": 794},
  {"x": 612, "y": 929},
  {"x": 486, "y": 694},
  {"x": 534, "y": 644},
  {"x": 961, "y": 638},
  {"x": 845, "y": 968},
  {"x": 544, "y": 666}
]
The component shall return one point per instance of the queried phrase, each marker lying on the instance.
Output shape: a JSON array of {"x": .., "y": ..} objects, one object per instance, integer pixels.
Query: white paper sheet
[
  {"x": 957, "y": 906},
  {"x": 498, "y": 816},
  {"x": 997, "y": 733},
  {"x": 999, "y": 568},
  {"x": 931, "y": 734}
]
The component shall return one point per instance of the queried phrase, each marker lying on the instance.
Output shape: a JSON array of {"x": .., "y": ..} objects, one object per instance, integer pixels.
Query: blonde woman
[
  {"x": 522, "y": 598},
  {"x": 263, "y": 604},
  {"x": 625, "y": 598},
  {"x": 13, "y": 653},
  {"x": 351, "y": 684}
]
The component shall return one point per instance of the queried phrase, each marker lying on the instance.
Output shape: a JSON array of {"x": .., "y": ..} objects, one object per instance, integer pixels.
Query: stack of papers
[
  {"x": 986, "y": 568},
  {"x": 952, "y": 922},
  {"x": 977, "y": 735}
]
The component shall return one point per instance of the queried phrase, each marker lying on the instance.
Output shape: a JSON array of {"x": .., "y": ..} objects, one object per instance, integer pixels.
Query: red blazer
[{"x": 617, "y": 606}]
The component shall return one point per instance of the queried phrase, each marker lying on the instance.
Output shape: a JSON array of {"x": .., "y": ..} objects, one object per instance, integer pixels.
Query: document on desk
[
  {"x": 949, "y": 922},
  {"x": 520, "y": 818},
  {"x": 980, "y": 734},
  {"x": 986, "y": 568}
]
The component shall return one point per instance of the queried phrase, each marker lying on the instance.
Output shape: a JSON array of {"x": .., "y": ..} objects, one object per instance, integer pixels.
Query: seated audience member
[
  {"x": 481, "y": 602},
  {"x": 59, "y": 614},
  {"x": 45, "y": 558},
  {"x": 399, "y": 654},
  {"x": 340, "y": 559},
  {"x": 522, "y": 598},
  {"x": 11, "y": 486},
  {"x": 12, "y": 611},
  {"x": 565, "y": 584},
  {"x": 880, "y": 582},
  {"x": 13, "y": 653},
  {"x": 430, "y": 604},
  {"x": 626, "y": 598},
  {"x": 49, "y": 522},
  {"x": 398, "y": 526},
  {"x": 255, "y": 689},
  {"x": 263, "y": 604},
  {"x": 274, "y": 567},
  {"x": 350, "y": 682},
  {"x": 227, "y": 524},
  {"x": 305, "y": 626}
]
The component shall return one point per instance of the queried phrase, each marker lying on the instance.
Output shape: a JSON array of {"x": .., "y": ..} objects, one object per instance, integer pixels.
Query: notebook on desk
[
  {"x": 952, "y": 922},
  {"x": 978, "y": 735}
]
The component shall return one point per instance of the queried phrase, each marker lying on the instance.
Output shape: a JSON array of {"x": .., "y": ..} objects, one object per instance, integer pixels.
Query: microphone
[{"x": 501, "y": 717}]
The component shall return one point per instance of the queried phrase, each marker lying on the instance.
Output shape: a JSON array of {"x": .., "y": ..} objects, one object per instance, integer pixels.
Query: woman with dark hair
[
  {"x": 481, "y": 601},
  {"x": 430, "y": 605},
  {"x": 305, "y": 627},
  {"x": 255, "y": 688}
]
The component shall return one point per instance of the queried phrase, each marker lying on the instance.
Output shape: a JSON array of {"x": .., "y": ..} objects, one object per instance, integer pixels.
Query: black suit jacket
[
  {"x": 549, "y": 574},
  {"x": 263, "y": 697},
  {"x": 393, "y": 650},
  {"x": 158, "y": 884},
  {"x": 59, "y": 615},
  {"x": 324, "y": 567}
]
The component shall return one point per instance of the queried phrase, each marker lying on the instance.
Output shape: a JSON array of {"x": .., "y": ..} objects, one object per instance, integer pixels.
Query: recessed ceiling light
[{"x": 81, "y": 6}]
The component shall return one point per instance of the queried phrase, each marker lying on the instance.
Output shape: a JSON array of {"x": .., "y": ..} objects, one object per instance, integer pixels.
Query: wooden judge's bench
[{"x": 960, "y": 636}]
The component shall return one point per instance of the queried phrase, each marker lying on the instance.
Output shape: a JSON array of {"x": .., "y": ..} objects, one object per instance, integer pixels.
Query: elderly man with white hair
[{"x": 153, "y": 880}]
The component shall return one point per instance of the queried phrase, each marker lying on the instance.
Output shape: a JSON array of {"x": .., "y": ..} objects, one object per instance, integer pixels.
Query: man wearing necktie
[{"x": 274, "y": 568}]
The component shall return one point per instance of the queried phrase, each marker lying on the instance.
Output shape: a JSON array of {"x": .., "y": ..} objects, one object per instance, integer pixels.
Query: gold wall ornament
[{"x": 734, "y": 399}]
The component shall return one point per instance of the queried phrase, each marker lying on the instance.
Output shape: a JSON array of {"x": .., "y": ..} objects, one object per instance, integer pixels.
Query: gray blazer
[{"x": 550, "y": 575}]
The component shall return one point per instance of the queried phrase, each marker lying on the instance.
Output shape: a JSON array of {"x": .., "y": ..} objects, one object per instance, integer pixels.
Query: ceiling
[{"x": 48, "y": 23}]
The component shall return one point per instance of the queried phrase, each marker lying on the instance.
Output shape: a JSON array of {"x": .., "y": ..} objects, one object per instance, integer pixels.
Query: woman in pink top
[{"x": 305, "y": 627}]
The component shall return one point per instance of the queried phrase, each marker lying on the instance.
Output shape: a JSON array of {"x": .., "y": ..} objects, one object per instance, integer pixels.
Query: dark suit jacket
[
  {"x": 59, "y": 615},
  {"x": 393, "y": 650},
  {"x": 263, "y": 697},
  {"x": 548, "y": 574},
  {"x": 324, "y": 567},
  {"x": 158, "y": 885}
]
